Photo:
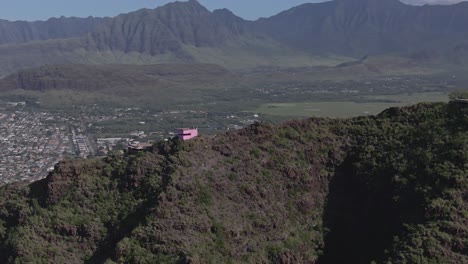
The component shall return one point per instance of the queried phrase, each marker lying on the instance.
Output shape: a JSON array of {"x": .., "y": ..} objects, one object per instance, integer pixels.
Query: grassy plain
[{"x": 370, "y": 105}]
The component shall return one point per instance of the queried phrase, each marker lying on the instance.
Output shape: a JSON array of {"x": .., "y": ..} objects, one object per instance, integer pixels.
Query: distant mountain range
[
  {"x": 369, "y": 27},
  {"x": 54, "y": 28},
  {"x": 188, "y": 32}
]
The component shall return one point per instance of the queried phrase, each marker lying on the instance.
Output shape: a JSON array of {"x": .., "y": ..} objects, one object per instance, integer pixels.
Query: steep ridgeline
[
  {"x": 389, "y": 189},
  {"x": 14, "y": 32},
  {"x": 115, "y": 77},
  {"x": 168, "y": 28},
  {"x": 370, "y": 27}
]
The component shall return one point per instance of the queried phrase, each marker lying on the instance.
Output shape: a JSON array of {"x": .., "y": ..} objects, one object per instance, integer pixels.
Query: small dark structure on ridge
[{"x": 140, "y": 147}]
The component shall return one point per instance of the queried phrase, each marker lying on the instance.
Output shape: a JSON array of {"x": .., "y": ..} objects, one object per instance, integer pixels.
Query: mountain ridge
[
  {"x": 368, "y": 25},
  {"x": 188, "y": 32},
  {"x": 15, "y": 32},
  {"x": 167, "y": 28},
  {"x": 111, "y": 76}
]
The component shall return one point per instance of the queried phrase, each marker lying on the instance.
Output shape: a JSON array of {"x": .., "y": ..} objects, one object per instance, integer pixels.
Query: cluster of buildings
[
  {"x": 106, "y": 145},
  {"x": 31, "y": 143},
  {"x": 81, "y": 144}
]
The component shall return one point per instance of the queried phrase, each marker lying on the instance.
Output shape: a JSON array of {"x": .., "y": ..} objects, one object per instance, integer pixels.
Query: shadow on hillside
[
  {"x": 38, "y": 191},
  {"x": 361, "y": 221},
  {"x": 107, "y": 249}
]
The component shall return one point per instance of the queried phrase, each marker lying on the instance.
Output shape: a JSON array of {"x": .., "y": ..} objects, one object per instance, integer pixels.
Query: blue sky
[{"x": 43, "y": 9}]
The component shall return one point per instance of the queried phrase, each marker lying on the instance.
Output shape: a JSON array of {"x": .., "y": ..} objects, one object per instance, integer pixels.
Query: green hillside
[{"x": 389, "y": 189}]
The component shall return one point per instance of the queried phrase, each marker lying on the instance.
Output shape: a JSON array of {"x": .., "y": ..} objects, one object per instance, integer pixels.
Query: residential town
[
  {"x": 32, "y": 141},
  {"x": 31, "y": 144}
]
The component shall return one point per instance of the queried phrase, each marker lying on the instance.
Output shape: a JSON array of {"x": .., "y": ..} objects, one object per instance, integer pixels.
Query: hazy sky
[{"x": 43, "y": 9}]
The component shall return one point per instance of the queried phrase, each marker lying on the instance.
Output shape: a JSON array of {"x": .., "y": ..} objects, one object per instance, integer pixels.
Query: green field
[{"x": 369, "y": 105}]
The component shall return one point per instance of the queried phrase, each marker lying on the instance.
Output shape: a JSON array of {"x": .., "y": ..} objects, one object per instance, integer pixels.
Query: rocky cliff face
[
  {"x": 168, "y": 28},
  {"x": 369, "y": 27},
  {"x": 390, "y": 188},
  {"x": 115, "y": 77}
]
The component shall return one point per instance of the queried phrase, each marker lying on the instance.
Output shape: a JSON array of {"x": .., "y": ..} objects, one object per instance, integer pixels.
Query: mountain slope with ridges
[
  {"x": 369, "y": 26},
  {"x": 167, "y": 28},
  {"x": 14, "y": 32}
]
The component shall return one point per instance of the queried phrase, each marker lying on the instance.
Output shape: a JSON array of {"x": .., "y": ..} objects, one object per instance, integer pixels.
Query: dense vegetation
[
  {"x": 384, "y": 189},
  {"x": 402, "y": 189}
]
